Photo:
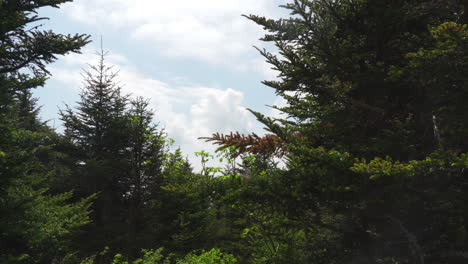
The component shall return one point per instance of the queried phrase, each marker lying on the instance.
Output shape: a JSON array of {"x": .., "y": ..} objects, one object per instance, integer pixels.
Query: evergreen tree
[
  {"x": 337, "y": 72},
  {"x": 119, "y": 154},
  {"x": 23, "y": 47},
  {"x": 375, "y": 144},
  {"x": 97, "y": 130},
  {"x": 146, "y": 153},
  {"x": 35, "y": 226},
  {"x": 27, "y": 111},
  {"x": 95, "y": 125}
]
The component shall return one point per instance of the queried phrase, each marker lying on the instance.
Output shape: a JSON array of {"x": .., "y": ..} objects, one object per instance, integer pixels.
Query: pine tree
[
  {"x": 119, "y": 154},
  {"x": 22, "y": 47},
  {"x": 146, "y": 152},
  {"x": 27, "y": 111},
  {"x": 35, "y": 226},
  {"x": 94, "y": 126},
  {"x": 97, "y": 130},
  {"x": 375, "y": 156}
]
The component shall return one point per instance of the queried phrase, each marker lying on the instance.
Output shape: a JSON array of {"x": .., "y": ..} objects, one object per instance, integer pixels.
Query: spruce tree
[
  {"x": 97, "y": 131},
  {"x": 145, "y": 155},
  {"x": 374, "y": 143},
  {"x": 94, "y": 126},
  {"x": 119, "y": 154},
  {"x": 23, "y": 47},
  {"x": 27, "y": 111},
  {"x": 363, "y": 143},
  {"x": 35, "y": 226}
]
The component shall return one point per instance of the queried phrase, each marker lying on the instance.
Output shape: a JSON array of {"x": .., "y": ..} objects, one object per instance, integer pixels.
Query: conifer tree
[
  {"x": 27, "y": 111},
  {"x": 94, "y": 126},
  {"x": 119, "y": 154},
  {"x": 35, "y": 226},
  {"x": 375, "y": 156},
  {"x": 145, "y": 155},
  {"x": 146, "y": 149},
  {"x": 97, "y": 129},
  {"x": 23, "y": 47}
]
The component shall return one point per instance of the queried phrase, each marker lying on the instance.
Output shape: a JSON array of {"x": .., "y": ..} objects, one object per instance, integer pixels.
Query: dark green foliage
[
  {"x": 96, "y": 127},
  {"x": 35, "y": 226},
  {"x": 96, "y": 132},
  {"x": 146, "y": 153},
  {"x": 337, "y": 56},
  {"x": 121, "y": 155},
  {"x": 370, "y": 81},
  {"x": 439, "y": 69},
  {"x": 27, "y": 111},
  {"x": 25, "y": 47},
  {"x": 374, "y": 150}
]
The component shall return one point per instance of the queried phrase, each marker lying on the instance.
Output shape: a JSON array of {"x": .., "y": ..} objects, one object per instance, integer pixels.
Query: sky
[{"x": 194, "y": 60}]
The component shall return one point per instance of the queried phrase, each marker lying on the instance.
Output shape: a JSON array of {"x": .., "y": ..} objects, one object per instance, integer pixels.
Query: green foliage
[
  {"x": 36, "y": 226},
  {"x": 119, "y": 153},
  {"x": 207, "y": 170},
  {"x": 374, "y": 150},
  {"x": 439, "y": 69},
  {"x": 149, "y": 257},
  {"x": 378, "y": 167},
  {"x": 365, "y": 80},
  {"x": 25, "y": 47},
  {"x": 214, "y": 256}
]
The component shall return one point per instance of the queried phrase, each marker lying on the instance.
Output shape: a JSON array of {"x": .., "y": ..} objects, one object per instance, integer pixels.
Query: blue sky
[{"x": 194, "y": 61}]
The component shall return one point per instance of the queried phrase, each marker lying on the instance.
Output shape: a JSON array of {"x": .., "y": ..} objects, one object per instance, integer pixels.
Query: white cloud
[
  {"x": 208, "y": 31},
  {"x": 275, "y": 113},
  {"x": 211, "y": 31},
  {"x": 186, "y": 112}
]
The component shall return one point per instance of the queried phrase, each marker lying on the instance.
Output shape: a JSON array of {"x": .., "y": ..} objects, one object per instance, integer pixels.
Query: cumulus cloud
[
  {"x": 211, "y": 31},
  {"x": 207, "y": 31},
  {"x": 185, "y": 112}
]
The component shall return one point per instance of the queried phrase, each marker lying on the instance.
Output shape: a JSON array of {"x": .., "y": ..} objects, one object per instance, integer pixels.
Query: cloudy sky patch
[{"x": 194, "y": 61}]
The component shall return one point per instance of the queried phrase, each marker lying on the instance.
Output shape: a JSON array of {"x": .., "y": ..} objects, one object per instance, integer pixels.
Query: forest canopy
[{"x": 373, "y": 149}]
